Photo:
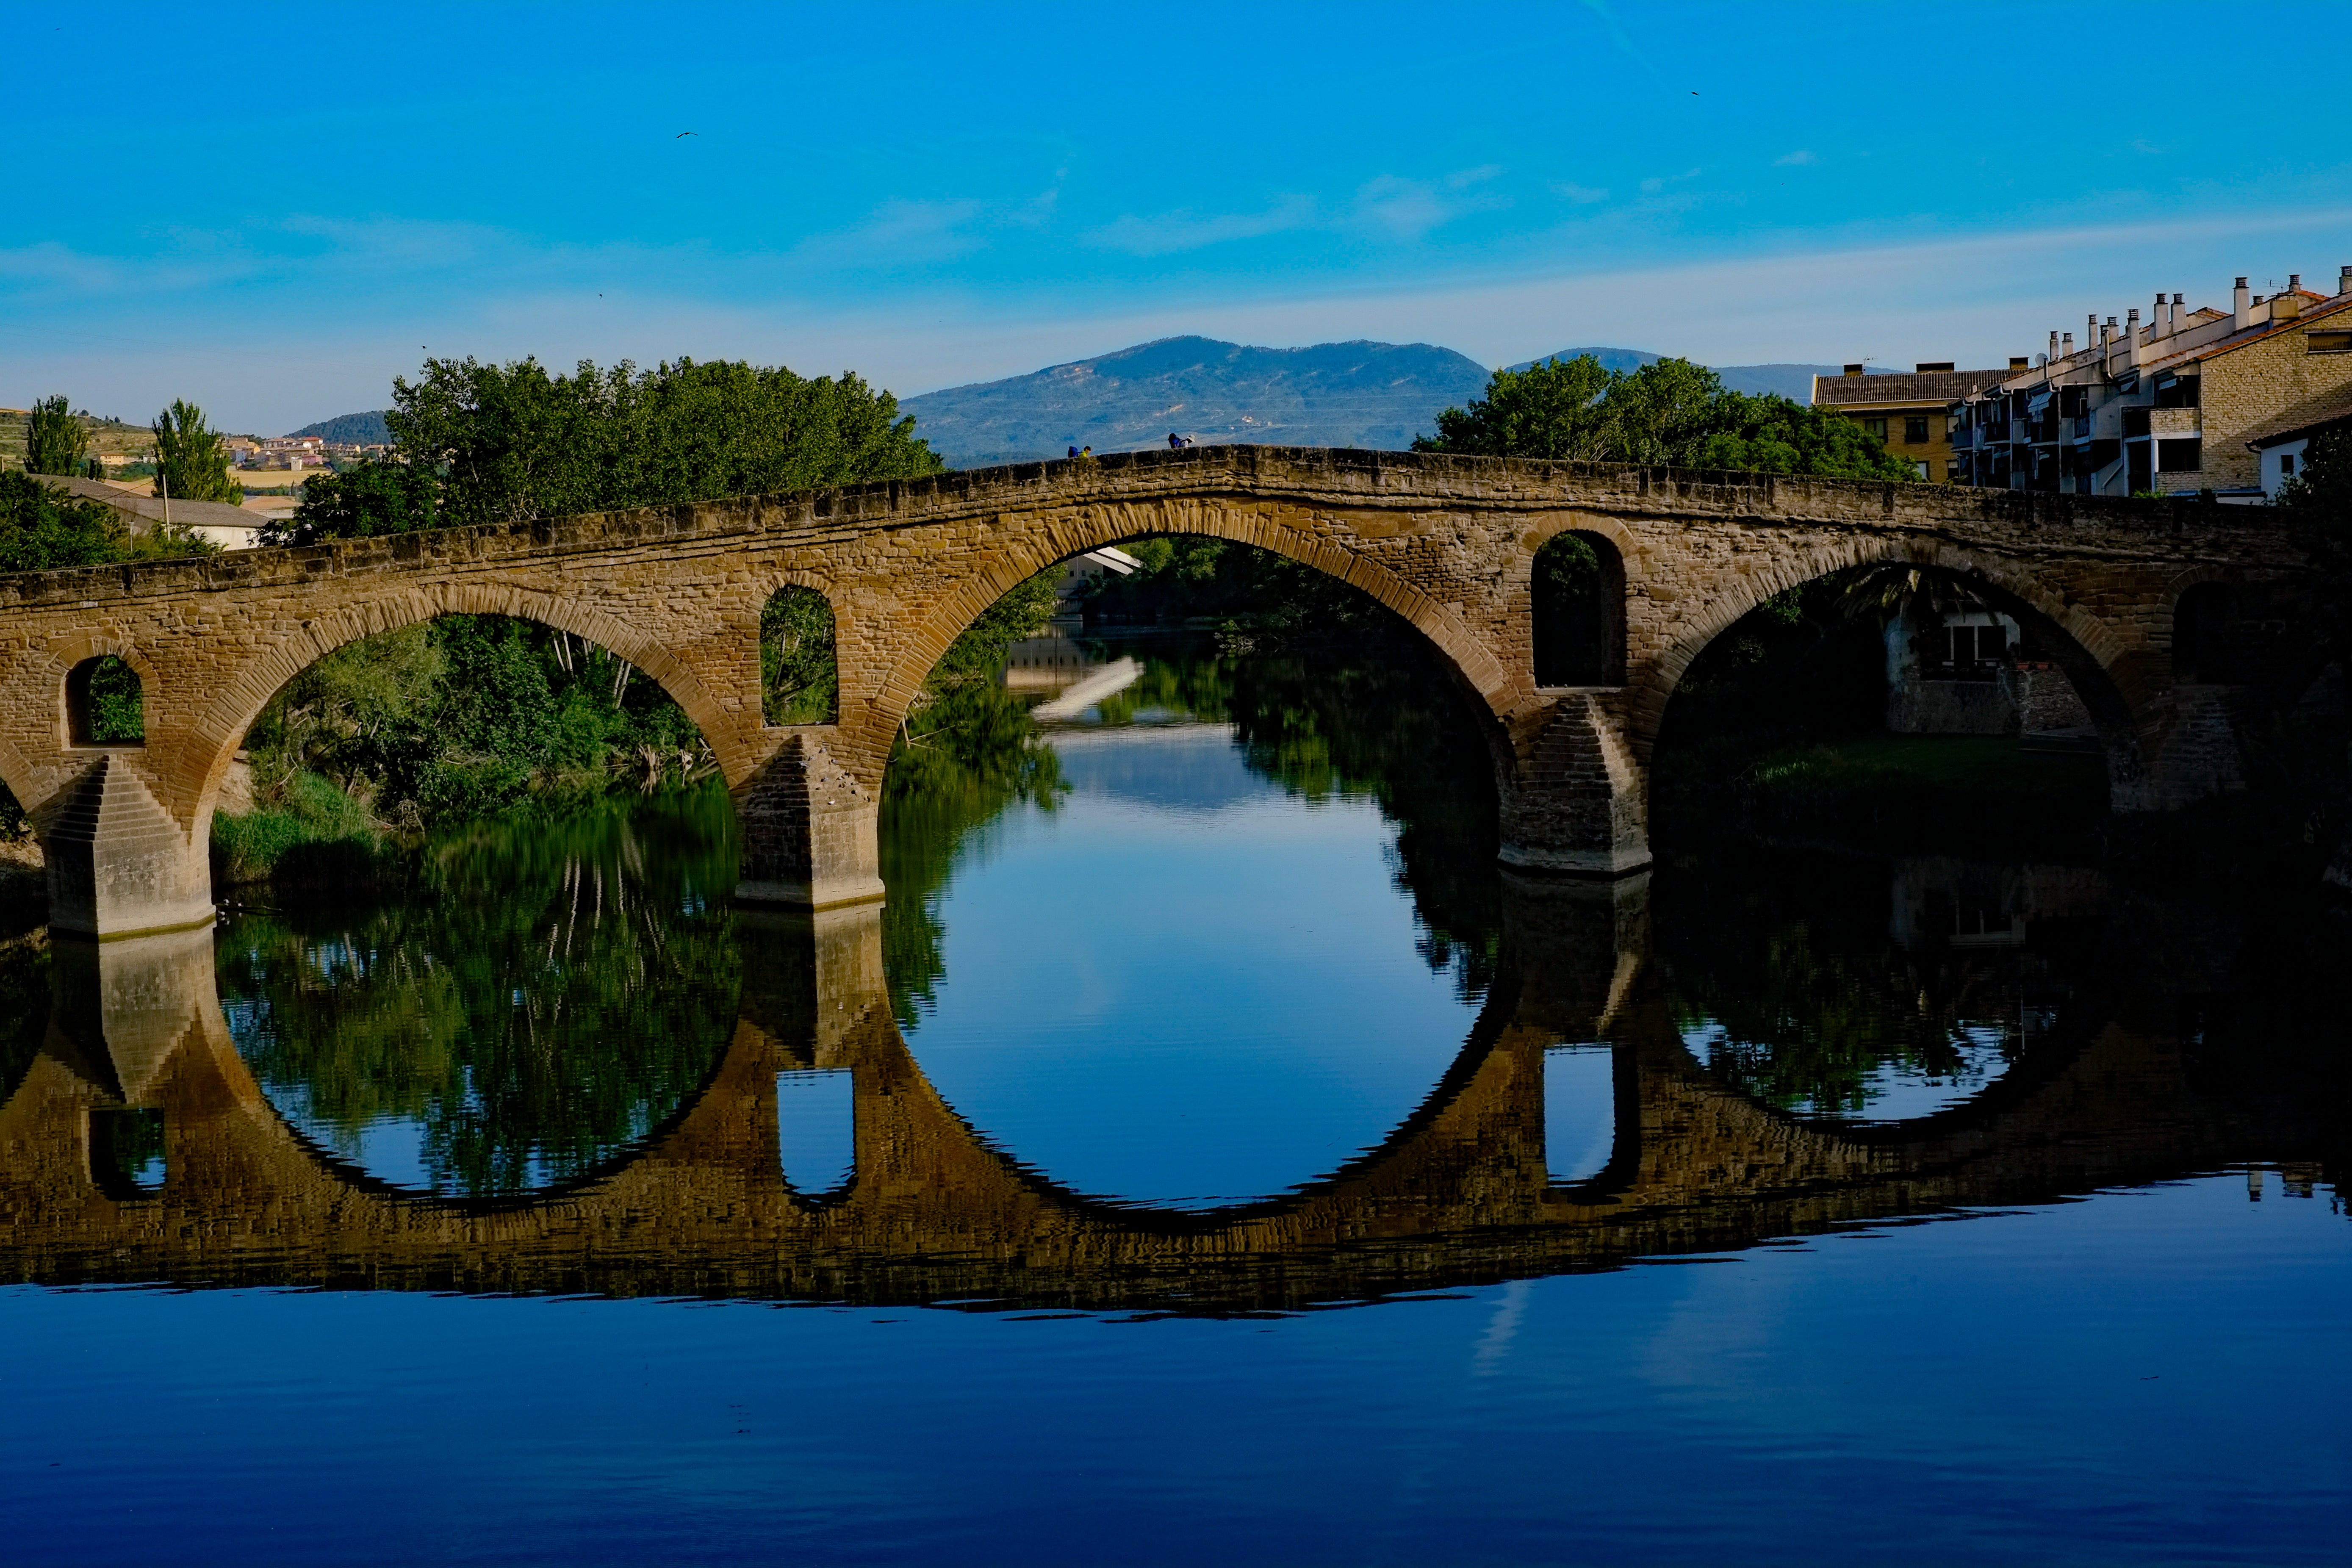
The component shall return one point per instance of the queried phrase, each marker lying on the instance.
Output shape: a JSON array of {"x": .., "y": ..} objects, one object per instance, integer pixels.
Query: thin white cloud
[
  {"x": 1408, "y": 209},
  {"x": 1582, "y": 196},
  {"x": 1619, "y": 38},
  {"x": 899, "y": 233},
  {"x": 1163, "y": 234},
  {"x": 1793, "y": 160}
]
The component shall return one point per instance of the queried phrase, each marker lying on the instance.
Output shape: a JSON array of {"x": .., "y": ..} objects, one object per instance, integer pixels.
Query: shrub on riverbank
[{"x": 1890, "y": 793}]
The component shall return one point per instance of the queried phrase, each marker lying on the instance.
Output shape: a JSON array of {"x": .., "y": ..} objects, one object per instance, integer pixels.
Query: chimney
[
  {"x": 2240, "y": 307},
  {"x": 2294, "y": 282},
  {"x": 2344, "y": 280},
  {"x": 2068, "y": 340},
  {"x": 1853, "y": 370},
  {"x": 2054, "y": 346},
  {"x": 2179, "y": 316},
  {"x": 1929, "y": 367},
  {"x": 2017, "y": 361},
  {"x": 2159, "y": 325}
]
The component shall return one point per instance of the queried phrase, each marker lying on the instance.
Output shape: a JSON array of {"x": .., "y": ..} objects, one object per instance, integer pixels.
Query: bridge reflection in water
[{"x": 1462, "y": 1192}]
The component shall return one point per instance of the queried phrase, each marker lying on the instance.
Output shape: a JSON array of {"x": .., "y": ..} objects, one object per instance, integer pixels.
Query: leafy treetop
[
  {"x": 512, "y": 443},
  {"x": 54, "y": 439},
  {"x": 43, "y": 529},
  {"x": 1671, "y": 414},
  {"x": 191, "y": 463}
]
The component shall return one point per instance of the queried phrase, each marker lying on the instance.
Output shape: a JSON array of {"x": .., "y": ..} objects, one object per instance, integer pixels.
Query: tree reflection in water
[
  {"x": 1793, "y": 978},
  {"x": 557, "y": 986}
]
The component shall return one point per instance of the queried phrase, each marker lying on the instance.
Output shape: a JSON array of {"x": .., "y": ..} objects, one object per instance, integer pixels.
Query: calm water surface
[{"x": 1207, "y": 1154}]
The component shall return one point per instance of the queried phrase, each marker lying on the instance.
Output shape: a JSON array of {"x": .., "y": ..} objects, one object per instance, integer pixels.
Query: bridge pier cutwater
[{"x": 1447, "y": 543}]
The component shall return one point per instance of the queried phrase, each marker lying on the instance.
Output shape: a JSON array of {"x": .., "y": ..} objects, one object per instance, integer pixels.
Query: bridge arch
[
  {"x": 221, "y": 728},
  {"x": 2102, "y": 673},
  {"x": 1046, "y": 543}
]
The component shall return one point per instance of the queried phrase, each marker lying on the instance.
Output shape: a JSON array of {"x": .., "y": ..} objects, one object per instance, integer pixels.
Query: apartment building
[
  {"x": 2174, "y": 404},
  {"x": 1910, "y": 414}
]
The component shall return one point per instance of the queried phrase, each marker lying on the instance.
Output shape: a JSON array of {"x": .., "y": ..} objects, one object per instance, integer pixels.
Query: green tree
[
  {"x": 1671, "y": 412},
  {"x": 191, "y": 462},
  {"x": 54, "y": 439},
  {"x": 1549, "y": 410},
  {"x": 43, "y": 528},
  {"x": 514, "y": 443},
  {"x": 372, "y": 499}
]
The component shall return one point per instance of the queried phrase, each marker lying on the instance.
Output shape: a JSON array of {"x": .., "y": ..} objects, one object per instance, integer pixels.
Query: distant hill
[
  {"x": 1333, "y": 394},
  {"x": 1793, "y": 381},
  {"x": 361, "y": 429},
  {"x": 1377, "y": 395}
]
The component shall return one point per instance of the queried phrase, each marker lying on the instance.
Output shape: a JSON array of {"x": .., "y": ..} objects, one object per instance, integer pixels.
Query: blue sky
[{"x": 272, "y": 211}]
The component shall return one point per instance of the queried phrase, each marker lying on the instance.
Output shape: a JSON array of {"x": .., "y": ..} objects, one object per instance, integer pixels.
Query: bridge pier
[
  {"x": 1578, "y": 800},
  {"x": 119, "y": 865},
  {"x": 810, "y": 831}
]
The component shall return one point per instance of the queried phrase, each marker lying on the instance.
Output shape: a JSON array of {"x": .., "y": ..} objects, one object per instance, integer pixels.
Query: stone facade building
[
  {"x": 2168, "y": 404},
  {"x": 1910, "y": 414}
]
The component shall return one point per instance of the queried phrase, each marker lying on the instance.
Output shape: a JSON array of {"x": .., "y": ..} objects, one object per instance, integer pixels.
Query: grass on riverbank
[
  {"x": 1894, "y": 792},
  {"x": 314, "y": 835}
]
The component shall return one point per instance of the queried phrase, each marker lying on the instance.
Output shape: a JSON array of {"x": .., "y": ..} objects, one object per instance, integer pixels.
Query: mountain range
[{"x": 1360, "y": 393}]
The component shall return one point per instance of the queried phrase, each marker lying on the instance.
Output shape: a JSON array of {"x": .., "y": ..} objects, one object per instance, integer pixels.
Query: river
[{"x": 1208, "y": 1152}]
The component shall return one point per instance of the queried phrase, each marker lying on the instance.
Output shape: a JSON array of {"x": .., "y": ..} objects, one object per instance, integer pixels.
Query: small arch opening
[
  {"x": 800, "y": 678},
  {"x": 104, "y": 705},
  {"x": 1577, "y": 610}
]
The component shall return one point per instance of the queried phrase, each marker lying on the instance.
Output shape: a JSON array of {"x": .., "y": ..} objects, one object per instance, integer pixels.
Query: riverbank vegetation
[{"x": 392, "y": 740}]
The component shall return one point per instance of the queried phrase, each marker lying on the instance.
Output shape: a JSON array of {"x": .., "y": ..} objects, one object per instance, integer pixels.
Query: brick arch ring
[
  {"x": 2092, "y": 667},
  {"x": 222, "y": 726},
  {"x": 1047, "y": 544}
]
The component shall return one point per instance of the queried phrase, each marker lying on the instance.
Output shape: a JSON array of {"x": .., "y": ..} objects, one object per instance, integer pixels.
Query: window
[
  {"x": 1976, "y": 645},
  {"x": 1919, "y": 468},
  {"x": 1914, "y": 428},
  {"x": 103, "y": 706},
  {"x": 1874, "y": 428},
  {"x": 2180, "y": 457},
  {"x": 2178, "y": 391},
  {"x": 2287, "y": 465},
  {"x": 2330, "y": 343}
]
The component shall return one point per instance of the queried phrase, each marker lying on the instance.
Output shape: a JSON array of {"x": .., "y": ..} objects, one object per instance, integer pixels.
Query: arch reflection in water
[
  {"x": 1580, "y": 1111},
  {"x": 1860, "y": 990},
  {"x": 1460, "y": 1192},
  {"x": 1188, "y": 980},
  {"x": 816, "y": 1128},
  {"x": 550, "y": 995}
]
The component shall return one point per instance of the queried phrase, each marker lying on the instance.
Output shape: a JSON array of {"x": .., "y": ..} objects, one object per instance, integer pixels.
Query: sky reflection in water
[{"x": 1180, "y": 986}]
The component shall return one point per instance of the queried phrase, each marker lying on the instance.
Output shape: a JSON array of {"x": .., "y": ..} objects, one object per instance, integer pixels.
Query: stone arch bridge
[{"x": 1446, "y": 542}]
